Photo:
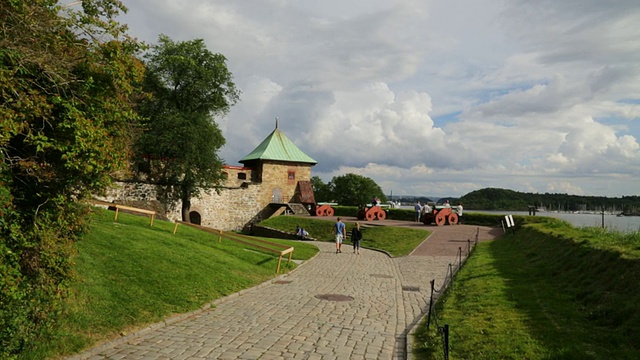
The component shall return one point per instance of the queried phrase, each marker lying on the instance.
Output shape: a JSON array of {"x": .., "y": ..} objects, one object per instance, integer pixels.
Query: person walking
[
  {"x": 356, "y": 236},
  {"x": 459, "y": 211},
  {"x": 341, "y": 232},
  {"x": 418, "y": 210}
]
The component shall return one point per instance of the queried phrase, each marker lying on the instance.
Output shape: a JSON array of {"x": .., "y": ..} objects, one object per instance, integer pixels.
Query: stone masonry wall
[
  {"x": 275, "y": 175},
  {"x": 232, "y": 209},
  {"x": 264, "y": 231},
  {"x": 236, "y": 206}
]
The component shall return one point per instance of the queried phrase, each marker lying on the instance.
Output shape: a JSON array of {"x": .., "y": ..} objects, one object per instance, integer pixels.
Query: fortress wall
[{"x": 232, "y": 209}]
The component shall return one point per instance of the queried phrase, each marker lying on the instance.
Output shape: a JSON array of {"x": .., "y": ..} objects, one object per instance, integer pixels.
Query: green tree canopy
[
  {"x": 505, "y": 199},
  {"x": 354, "y": 190},
  {"x": 67, "y": 80},
  {"x": 321, "y": 191},
  {"x": 189, "y": 86}
]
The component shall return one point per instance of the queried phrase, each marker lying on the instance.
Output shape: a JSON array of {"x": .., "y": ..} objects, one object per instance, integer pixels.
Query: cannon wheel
[
  {"x": 330, "y": 211},
  {"x": 381, "y": 214},
  {"x": 441, "y": 219},
  {"x": 371, "y": 214},
  {"x": 453, "y": 219}
]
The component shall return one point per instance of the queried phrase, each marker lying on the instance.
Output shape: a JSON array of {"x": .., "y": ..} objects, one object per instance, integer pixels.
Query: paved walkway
[{"x": 335, "y": 306}]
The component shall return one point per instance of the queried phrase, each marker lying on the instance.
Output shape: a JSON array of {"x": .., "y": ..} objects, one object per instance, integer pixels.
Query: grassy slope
[
  {"x": 396, "y": 241},
  {"x": 548, "y": 292},
  {"x": 130, "y": 274}
]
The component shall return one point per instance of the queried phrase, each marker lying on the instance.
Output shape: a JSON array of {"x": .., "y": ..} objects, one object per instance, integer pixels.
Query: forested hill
[{"x": 504, "y": 199}]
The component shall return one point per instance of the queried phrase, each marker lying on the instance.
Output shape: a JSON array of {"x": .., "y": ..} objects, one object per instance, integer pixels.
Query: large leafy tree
[
  {"x": 190, "y": 85},
  {"x": 67, "y": 77},
  {"x": 321, "y": 191},
  {"x": 354, "y": 189}
]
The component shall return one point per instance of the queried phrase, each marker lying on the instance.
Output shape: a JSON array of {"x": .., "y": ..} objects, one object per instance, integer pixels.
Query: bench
[
  {"x": 246, "y": 240},
  {"x": 119, "y": 207}
]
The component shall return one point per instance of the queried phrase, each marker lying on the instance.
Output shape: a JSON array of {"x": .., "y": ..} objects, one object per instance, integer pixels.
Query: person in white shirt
[
  {"x": 459, "y": 211},
  {"x": 427, "y": 209}
]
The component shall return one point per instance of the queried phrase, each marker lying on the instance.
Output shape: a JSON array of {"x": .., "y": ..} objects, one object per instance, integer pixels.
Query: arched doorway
[{"x": 195, "y": 218}]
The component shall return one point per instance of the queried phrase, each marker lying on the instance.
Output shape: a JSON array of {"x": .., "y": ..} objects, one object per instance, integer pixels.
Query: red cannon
[
  {"x": 324, "y": 210},
  {"x": 371, "y": 213},
  {"x": 440, "y": 217}
]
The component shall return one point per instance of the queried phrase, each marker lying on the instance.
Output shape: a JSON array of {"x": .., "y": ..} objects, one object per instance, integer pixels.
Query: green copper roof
[{"x": 279, "y": 148}]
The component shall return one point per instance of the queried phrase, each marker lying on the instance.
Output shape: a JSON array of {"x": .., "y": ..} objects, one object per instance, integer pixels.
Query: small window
[
  {"x": 292, "y": 175},
  {"x": 242, "y": 176}
]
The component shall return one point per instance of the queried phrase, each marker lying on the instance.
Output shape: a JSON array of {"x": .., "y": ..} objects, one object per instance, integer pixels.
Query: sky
[{"x": 429, "y": 97}]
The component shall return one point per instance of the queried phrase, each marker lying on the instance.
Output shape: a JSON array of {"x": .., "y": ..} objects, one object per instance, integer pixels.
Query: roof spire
[{"x": 276, "y": 122}]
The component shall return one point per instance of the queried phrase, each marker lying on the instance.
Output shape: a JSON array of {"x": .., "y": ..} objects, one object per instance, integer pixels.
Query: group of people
[
  {"x": 420, "y": 210},
  {"x": 340, "y": 230}
]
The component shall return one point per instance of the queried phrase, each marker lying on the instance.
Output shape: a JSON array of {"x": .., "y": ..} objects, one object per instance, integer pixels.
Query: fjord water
[{"x": 612, "y": 222}]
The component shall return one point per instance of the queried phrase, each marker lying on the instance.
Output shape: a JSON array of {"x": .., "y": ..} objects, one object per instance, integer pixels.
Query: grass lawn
[
  {"x": 547, "y": 292},
  {"x": 396, "y": 241},
  {"x": 129, "y": 274}
]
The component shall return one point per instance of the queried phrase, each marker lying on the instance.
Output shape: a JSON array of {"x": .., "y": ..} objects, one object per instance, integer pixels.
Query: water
[{"x": 612, "y": 222}]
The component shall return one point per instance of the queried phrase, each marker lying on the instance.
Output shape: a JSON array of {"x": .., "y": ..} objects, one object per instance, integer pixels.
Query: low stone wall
[{"x": 263, "y": 231}]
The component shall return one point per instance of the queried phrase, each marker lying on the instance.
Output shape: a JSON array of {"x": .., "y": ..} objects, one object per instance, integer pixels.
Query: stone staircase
[{"x": 298, "y": 209}]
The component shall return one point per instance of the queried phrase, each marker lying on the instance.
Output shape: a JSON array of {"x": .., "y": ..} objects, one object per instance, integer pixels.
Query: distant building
[{"x": 275, "y": 178}]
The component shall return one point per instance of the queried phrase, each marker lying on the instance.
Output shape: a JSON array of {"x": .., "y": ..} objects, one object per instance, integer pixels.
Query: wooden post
[
  {"x": 116, "y": 218},
  {"x": 279, "y": 260},
  {"x": 433, "y": 281},
  {"x": 152, "y": 217},
  {"x": 175, "y": 229},
  {"x": 220, "y": 237},
  {"x": 446, "y": 341}
]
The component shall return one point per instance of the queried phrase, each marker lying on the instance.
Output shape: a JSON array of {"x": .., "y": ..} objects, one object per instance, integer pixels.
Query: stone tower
[
  {"x": 282, "y": 169},
  {"x": 275, "y": 177}
]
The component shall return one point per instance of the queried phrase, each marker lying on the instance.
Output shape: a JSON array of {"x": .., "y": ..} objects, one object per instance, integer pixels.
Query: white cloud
[{"x": 430, "y": 97}]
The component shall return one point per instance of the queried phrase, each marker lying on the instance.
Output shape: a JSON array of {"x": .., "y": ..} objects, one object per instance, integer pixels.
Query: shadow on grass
[{"x": 580, "y": 302}]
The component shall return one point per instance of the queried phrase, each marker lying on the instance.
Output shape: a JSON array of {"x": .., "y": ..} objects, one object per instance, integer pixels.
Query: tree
[
  {"x": 189, "y": 85},
  {"x": 321, "y": 191},
  {"x": 354, "y": 190},
  {"x": 68, "y": 77}
]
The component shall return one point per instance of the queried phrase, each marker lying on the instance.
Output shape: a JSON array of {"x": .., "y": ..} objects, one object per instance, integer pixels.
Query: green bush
[{"x": 35, "y": 269}]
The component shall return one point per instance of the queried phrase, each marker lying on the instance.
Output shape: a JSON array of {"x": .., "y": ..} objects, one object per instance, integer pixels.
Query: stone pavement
[{"x": 334, "y": 306}]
